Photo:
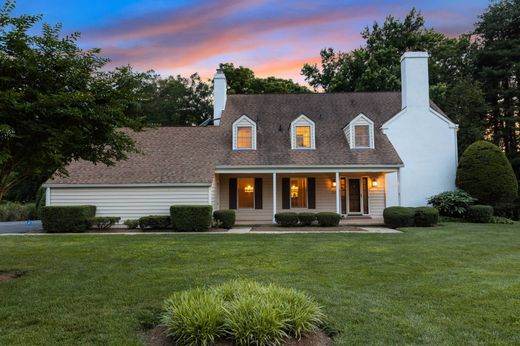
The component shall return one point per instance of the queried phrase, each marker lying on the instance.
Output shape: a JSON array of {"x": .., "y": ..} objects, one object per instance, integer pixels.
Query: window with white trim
[
  {"x": 303, "y": 133},
  {"x": 298, "y": 190},
  {"x": 246, "y": 193},
  {"x": 360, "y": 133},
  {"x": 244, "y": 134}
]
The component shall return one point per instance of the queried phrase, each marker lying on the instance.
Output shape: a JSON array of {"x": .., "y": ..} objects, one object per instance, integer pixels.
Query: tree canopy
[
  {"x": 57, "y": 104},
  {"x": 242, "y": 80}
]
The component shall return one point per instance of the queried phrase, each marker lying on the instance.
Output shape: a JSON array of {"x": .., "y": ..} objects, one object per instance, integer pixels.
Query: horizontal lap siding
[
  {"x": 130, "y": 202},
  {"x": 376, "y": 197}
]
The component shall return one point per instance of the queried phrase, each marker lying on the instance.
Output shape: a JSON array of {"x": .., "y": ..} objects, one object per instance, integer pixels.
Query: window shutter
[
  {"x": 232, "y": 193},
  {"x": 311, "y": 185},
  {"x": 286, "y": 193},
  {"x": 258, "y": 193}
]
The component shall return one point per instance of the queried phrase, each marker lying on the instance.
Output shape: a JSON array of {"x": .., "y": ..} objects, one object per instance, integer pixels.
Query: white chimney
[
  {"x": 219, "y": 95},
  {"x": 414, "y": 80}
]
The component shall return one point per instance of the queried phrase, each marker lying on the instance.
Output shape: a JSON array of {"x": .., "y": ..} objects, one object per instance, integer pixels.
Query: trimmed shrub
[
  {"x": 225, "y": 217},
  {"x": 191, "y": 218},
  {"x": 426, "y": 216},
  {"x": 64, "y": 219},
  {"x": 13, "y": 211},
  {"x": 103, "y": 222},
  {"x": 479, "y": 213},
  {"x": 452, "y": 203},
  {"x": 244, "y": 311},
  {"x": 443, "y": 219},
  {"x": 131, "y": 224},
  {"x": 286, "y": 219},
  {"x": 151, "y": 222},
  {"x": 396, "y": 217},
  {"x": 486, "y": 174},
  {"x": 508, "y": 210},
  {"x": 306, "y": 219},
  {"x": 328, "y": 219}
]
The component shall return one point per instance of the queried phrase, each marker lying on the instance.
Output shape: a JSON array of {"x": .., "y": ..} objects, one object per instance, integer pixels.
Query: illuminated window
[
  {"x": 298, "y": 192},
  {"x": 362, "y": 136},
  {"x": 303, "y": 136},
  {"x": 303, "y": 133},
  {"x": 246, "y": 193},
  {"x": 244, "y": 137}
]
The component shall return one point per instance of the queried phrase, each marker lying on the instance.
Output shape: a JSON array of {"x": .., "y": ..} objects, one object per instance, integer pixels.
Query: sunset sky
[{"x": 273, "y": 37}]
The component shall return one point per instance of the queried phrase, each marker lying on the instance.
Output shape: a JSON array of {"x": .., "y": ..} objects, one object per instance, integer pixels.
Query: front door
[{"x": 354, "y": 196}]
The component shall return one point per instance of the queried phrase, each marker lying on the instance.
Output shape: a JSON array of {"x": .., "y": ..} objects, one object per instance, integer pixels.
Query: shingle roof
[{"x": 191, "y": 154}]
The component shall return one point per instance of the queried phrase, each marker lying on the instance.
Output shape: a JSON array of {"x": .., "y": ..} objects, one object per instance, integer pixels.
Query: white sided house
[{"x": 350, "y": 153}]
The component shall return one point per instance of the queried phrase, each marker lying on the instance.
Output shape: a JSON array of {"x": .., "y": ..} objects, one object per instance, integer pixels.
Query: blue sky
[{"x": 273, "y": 37}]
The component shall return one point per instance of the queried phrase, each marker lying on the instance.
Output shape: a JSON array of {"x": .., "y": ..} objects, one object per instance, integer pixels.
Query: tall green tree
[
  {"x": 57, "y": 104},
  {"x": 242, "y": 80},
  {"x": 498, "y": 69},
  {"x": 376, "y": 67},
  {"x": 177, "y": 101}
]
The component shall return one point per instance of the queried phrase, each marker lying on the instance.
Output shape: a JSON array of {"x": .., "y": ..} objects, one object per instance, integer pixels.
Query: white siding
[{"x": 129, "y": 202}]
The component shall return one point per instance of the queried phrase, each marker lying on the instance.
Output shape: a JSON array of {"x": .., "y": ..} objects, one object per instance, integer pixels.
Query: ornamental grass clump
[{"x": 245, "y": 312}]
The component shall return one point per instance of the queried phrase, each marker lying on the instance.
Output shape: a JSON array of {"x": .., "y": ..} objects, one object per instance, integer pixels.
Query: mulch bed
[
  {"x": 275, "y": 228},
  {"x": 9, "y": 276},
  {"x": 157, "y": 337}
]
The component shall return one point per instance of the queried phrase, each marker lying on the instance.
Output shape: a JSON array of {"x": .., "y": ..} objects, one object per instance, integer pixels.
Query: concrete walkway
[
  {"x": 237, "y": 230},
  {"x": 20, "y": 227}
]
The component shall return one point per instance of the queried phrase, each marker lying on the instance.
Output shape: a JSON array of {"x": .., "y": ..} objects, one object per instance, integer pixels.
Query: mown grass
[{"x": 454, "y": 284}]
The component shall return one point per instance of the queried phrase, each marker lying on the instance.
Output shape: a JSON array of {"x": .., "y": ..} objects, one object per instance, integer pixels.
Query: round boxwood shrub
[
  {"x": 396, "y": 217},
  {"x": 243, "y": 311},
  {"x": 103, "y": 223},
  {"x": 426, "y": 216},
  {"x": 286, "y": 219},
  {"x": 328, "y": 219},
  {"x": 486, "y": 174},
  {"x": 479, "y": 213},
  {"x": 306, "y": 219},
  {"x": 152, "y": 222},
  {"x": 225, "y": 217},
  {"x": 191, "y": 218}
]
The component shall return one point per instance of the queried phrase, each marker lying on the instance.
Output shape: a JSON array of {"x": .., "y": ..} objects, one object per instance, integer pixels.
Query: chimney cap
[
  {"x": 220, "y": 74},
  {"x": 408, "y": 55}
]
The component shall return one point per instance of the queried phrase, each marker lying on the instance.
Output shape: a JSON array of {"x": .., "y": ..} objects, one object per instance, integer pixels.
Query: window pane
[
  {"x": 244, "y": 137},
  {"x": 298, "y": 192},
  {"x": 362, "y": 136},
  {"x": 303, "y": 136},
  {"x": 246, "y": 193}
]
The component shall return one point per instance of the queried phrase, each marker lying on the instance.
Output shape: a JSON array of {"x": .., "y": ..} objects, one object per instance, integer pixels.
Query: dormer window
[
  {"x": 244, "y": 137},
  {"x": 303, "y": 136},
  {"x": 360, "y": 133},
  {"x": 244, "y": 134},
  {"x": 303, "y": 133},
  {"x": 362, "y": 136}
]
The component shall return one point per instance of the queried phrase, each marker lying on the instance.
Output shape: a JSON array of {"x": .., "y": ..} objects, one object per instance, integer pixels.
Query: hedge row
[
  {"x": 289, "y": 219},
  {"x": 64, "y": 219},
  {"x": 396, "y": 217}
]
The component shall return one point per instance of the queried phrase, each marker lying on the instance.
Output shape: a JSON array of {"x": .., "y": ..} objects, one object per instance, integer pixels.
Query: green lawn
[{"x": 454, "y": 284}]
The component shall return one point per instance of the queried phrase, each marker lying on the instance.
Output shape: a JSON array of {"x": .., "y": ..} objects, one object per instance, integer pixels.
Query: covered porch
[{"x": 256, "y": 195}]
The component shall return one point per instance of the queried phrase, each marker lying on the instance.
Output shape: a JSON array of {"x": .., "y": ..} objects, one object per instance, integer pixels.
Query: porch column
[
  {"x": 338, "y": 187},
  {"x": 274, "y": 195}
]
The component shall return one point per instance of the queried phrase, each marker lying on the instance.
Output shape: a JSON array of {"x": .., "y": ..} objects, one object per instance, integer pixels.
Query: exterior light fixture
[
  {"x": 249, "y": 189},
  {"x": 294, "y": 191},
  {"x": 374, "y": 182},
  {"x": 333, "y": 183}
]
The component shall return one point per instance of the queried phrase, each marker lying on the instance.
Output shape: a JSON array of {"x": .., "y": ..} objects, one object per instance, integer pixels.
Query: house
[{"x": 351, "y": 153}]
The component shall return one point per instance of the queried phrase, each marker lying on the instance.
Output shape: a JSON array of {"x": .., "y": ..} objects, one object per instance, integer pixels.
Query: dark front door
[{"x": 354, "y": 196}]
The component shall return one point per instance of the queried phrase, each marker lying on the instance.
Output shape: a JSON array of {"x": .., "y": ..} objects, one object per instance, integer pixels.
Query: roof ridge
[{"x": 319, "y": 93}]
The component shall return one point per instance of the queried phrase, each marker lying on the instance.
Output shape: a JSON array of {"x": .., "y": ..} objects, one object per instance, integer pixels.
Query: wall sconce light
[
  {"x": 249, "y": 189},
  {"x": 333, "y": 184},
  {"x": 374, "y": 182}
]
